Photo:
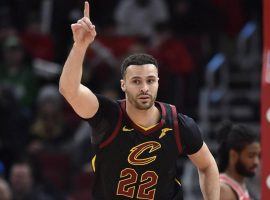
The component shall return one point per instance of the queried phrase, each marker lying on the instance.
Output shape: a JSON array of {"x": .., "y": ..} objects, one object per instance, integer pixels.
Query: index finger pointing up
[{"x": 86, "y": 9}]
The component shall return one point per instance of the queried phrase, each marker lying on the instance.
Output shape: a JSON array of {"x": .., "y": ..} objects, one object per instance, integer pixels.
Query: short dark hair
[
  {"x": 137, "y": 59},
  {"x": 233, "y": 136}
]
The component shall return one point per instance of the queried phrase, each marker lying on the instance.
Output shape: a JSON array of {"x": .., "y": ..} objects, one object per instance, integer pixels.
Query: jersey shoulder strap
[
  {"x": 172, "y": 117},
  {"x": 241, "y": 193},
  {"x": 177, "y": 133}
]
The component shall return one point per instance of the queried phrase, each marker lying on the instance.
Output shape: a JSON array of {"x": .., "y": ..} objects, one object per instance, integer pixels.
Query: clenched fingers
[
  {"x": 76, "y": 26},
  {"x": 86, "y": 24}
]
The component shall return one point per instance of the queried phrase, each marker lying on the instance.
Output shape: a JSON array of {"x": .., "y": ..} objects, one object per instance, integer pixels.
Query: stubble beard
[
  {"x": 242, "y": 169},
  {"x": 141, "y": 105}
]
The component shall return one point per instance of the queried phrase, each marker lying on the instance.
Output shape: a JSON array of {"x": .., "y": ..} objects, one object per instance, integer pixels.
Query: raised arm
[
  {"x": 208, "y": 173},
  {"x": 83, "y": 101}
]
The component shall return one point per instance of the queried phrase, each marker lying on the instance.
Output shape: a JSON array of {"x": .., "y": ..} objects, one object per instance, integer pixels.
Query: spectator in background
[
  {"x": 16, "y": 72},
  {"x": 233, "y": 15},
  {"x": 239, "y": 153},
  {"x": 14, "y": 126},
  {"x": 24, "y": 185},
  {"x": 139, "y": 17},
  {"x": 193, "y": 17},
  {"x": 103, "y": 6},
  {"x": 177, "y": 65},
  {"x": 36, "y": 42},
  {"x": 195, "y": 20},
  {"x": 49, "y": 130},
  {"x": 21, "y": 180},
  {"x": 5, "y": 192}
]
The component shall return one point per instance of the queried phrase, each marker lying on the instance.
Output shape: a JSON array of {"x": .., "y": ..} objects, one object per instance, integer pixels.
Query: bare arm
[
  {"x": 208, "y": 173},
  {"x": 83, "y": 101}
]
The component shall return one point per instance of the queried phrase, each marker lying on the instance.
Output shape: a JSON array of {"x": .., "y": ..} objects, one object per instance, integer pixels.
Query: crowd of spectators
[{"x": 44, "y": 146}]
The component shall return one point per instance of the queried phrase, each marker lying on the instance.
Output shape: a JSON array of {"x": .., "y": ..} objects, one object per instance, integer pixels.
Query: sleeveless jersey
[
  {"x": 136, "y": 164},
  {"x": 241, "y": 193}
]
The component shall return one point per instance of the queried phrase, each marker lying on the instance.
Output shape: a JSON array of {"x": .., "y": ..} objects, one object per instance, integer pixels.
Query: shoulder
[
  {"x": 187, "y": 121},
  {"x": 226, "y": 192},
  {"x": 107, "y": 104},
  {"x": 190, "y": 134},
  {"x": 108, "y": 109},
  {"x": 104, "y": 99},
  {"x": 187, "y": 125},
  {"x": 184, "y": 121},
  {"x": 105, "y": 120}
]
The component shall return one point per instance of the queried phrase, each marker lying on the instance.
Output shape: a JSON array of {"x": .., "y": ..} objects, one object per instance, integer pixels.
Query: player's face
[
  {"x": 248, "y": 160},
  {"x": 141, "y": 85}
]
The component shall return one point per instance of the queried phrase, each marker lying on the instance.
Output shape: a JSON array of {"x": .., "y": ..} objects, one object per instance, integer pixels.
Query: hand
[{"x": 84, "y": 31}]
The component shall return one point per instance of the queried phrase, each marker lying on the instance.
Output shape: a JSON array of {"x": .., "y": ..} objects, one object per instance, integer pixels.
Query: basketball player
[
  {"x": 239, "y": 153},
  {"x": 138, "y": 140}
]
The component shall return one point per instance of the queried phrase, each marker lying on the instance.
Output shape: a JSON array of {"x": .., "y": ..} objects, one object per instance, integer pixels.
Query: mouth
[
  {"x": 253, "y": 169},
  {"x": 144, "y": 97}
]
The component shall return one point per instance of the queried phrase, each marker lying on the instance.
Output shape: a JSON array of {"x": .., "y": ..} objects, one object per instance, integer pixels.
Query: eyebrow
[{"x": 139, "y": 77}]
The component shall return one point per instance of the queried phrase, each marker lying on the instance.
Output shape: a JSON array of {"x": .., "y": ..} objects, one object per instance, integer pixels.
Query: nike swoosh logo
[
  {"x": 164, "y": 132},
  {"x": 127, "y": 129}
]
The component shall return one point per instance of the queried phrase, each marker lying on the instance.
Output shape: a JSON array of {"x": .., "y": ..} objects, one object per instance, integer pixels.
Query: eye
[
  {"x": 136, "y": 81},
  {"x": 150, "y": 81},
  {"x": 251, "y": 156}
]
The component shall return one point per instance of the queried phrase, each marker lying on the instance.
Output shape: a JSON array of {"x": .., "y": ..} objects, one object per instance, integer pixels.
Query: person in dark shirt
[{"x": 138, "y": 140}]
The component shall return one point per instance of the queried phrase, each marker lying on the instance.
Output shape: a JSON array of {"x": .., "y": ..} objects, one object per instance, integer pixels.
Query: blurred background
[{"x": 210, "y": 67}]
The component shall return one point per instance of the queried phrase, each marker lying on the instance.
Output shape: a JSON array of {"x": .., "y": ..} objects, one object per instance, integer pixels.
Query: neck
[
  {"x": 144, "y": 118},
  {"x": 234, "y": 175}
]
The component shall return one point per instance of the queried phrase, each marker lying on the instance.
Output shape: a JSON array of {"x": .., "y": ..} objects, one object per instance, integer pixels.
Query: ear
[
  {"x": 234, "y": 156},
  {"x": 123, "y": 85}
]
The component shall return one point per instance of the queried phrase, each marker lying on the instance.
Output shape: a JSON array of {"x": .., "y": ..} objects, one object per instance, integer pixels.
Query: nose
[
  {"x": 257, "y": 160},
  {"x": 144, "y": 88}
]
